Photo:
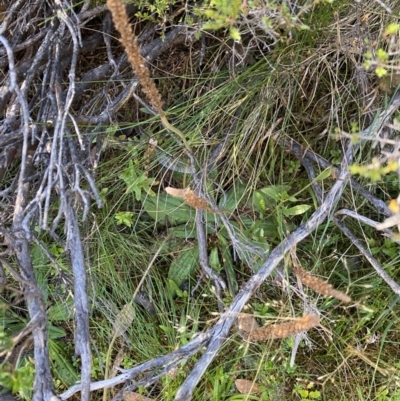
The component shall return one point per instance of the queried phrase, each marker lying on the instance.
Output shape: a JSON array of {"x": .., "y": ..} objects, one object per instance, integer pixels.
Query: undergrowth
[{"x": 304, "y": 88}]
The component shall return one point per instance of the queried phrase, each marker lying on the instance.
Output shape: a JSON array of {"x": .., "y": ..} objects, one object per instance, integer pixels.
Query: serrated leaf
[{"x": 184, "y": 266}]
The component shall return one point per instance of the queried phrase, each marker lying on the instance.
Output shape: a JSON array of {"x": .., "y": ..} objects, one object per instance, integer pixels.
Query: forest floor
[{"x": 235, "y": 245}]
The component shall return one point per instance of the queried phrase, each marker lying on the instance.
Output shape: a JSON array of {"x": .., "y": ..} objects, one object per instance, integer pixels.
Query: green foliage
[
  {"x": 306, "y": 393},
  {"x": 124, "y": 218},
  {"x": 184, "y": 266},
  {"x": 278, "y": 199},
  {"x": 158, "y": 11},
  {"x": 224, "y": 14},
  {"x": 382, "y": 58},
  {"x": 137, "y": 181},
  {"x": 260, "y": 190},
  {"x": 20, "y": 380},
  {"x": 375, "y": 170},
  {"x": 221, "y": 383}
]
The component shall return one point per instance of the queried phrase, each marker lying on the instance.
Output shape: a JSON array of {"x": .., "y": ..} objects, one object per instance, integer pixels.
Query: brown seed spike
[
  {"x": 176, "y": 192},
  {"x": 284, "y": 330},
  {"x": 189, "y": 197},
  {"x": 319, "y": 285},
  {"x": 195, "y": 201}
]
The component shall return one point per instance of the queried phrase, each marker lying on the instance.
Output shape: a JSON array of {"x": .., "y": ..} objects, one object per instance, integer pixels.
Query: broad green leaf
[
  {"x": 213, "y": 260},
  {"x": 61, "y": 311},
  {"x": 233, "y": 197},
  {"x": 259, "y": 202},
  {"x": 184, "y": 266},
  {"x": 296, "y": 210},
  {"x": 56, "y": 332},
  {"x": 275, "y": 191},
  {"x": 165, "y": 208},
  {"x": 183, "y": 231}
]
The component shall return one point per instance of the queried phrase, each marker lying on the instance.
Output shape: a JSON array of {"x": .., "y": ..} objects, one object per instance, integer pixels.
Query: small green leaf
[
  {"x": 315, "y": 395},
  {"x": 275, "y": 191},
  {"x": 324, "y": 174},
  {"x": 234, "y": 33},
  {"x": 382, "y": 55},
  {"x": 259, "y": 201},
  {"x": 214, "y": 260},
  {"x": 391, "y": 29},
  {"x": 124, "y": 218},
  {"x": 380, "y": 72},
  {"x": 296, "y": 210}
]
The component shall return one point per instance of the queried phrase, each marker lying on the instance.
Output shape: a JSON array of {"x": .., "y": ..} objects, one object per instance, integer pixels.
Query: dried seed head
[
  {"x": 176, "y": 192},
  {"x": 189, "y": 197},
  {"x": 285, "y": 329},
  {"x": 129, "y": 41},
  {"x": 195, "y": 201},
  {"x": 319, "y": 285}
]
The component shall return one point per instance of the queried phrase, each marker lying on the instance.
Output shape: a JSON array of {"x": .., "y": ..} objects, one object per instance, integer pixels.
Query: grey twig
[
  {"x": 203, "y": 257},
  {"x": 375, "y": 264},
  {"x": 82, "y": 337},
  {"x": 160, "y": 362}
]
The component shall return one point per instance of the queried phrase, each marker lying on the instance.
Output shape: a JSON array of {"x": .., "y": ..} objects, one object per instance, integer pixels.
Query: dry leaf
[
  {"x": 118, "y": 360},
  {"x": 176, "y": 192},
  {"x": 246, "y": 386},
  {"x": 247, "y": 322},
  {"x": 124, "y": 319},
  {"x": 136, "y": 397}
]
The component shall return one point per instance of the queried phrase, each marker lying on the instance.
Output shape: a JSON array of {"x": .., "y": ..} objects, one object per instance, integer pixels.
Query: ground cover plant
[{"x": 199, "y": 200}]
